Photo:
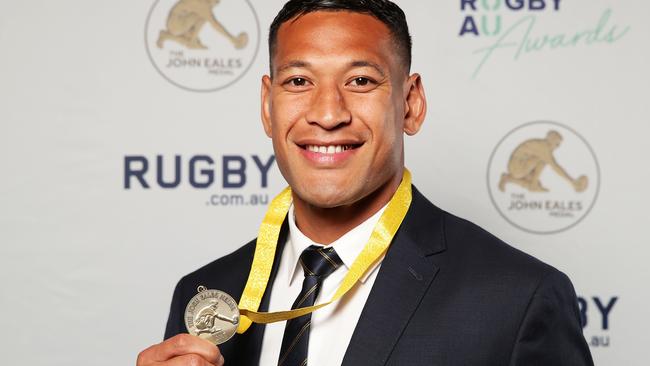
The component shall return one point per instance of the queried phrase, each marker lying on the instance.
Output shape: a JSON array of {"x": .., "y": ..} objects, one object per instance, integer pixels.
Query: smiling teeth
[{"x": 331, "y": 149}]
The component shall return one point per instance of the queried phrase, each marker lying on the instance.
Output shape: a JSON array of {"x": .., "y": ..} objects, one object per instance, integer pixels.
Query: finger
[
  {"x": 145, "y": 357},
  {"x": 184, "y": 344},
  {"x": 191, "y": 359}
]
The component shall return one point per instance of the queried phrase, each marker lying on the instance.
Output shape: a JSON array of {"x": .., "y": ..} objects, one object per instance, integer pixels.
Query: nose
[{"x": 328, "y": 108}]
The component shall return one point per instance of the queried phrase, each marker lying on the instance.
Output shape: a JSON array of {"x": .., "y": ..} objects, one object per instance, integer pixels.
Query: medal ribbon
[{"x": 267, "y": 241}]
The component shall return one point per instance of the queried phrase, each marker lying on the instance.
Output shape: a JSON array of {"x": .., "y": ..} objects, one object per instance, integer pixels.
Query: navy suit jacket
[{"x": 447, "y": 293}]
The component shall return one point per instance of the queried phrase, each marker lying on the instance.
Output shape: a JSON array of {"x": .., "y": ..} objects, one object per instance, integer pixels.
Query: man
[
  {"x": 529, "y": 160},
  {"x": 186, "y": 19},
  {"x": 336, "y": 105}
]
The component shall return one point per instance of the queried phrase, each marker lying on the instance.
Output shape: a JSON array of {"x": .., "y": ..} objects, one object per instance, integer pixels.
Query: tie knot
[{"x": 319, "y": 261}]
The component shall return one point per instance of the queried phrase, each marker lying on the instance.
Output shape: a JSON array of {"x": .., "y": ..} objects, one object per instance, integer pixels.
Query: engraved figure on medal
[{"x": 212, "y": 315}]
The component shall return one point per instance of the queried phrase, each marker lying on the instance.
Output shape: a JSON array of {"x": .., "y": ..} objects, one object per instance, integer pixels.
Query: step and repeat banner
[{"x": 133, "y": 153}]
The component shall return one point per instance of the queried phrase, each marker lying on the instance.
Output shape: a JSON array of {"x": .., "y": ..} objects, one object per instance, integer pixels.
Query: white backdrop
[{"x": 88, "y": 265}]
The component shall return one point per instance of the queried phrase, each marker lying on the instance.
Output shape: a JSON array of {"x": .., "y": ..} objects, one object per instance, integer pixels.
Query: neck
[{"x": 326, "y": 225}]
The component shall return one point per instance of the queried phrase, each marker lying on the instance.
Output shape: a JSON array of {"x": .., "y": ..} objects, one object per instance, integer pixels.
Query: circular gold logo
[
  {"x": 202, "y": 45},
  {"x": 543, "y": 177}
]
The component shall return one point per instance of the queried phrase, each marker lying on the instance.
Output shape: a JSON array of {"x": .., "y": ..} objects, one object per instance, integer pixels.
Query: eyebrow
[
  {"x": 375, "y": 66},
  {"x": 292, "y": 64},
  {"x": 304, "y": 64}
]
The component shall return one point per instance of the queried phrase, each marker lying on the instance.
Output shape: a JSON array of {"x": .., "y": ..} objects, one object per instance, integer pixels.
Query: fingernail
[{"x": 221, "y": 360}]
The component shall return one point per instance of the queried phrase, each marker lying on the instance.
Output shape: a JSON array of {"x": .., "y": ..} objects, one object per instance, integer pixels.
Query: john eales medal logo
[
  {"x": 212, "y": 315},
  {"x": 543, "y": 177},
  {"x": 202, "y": 45}
]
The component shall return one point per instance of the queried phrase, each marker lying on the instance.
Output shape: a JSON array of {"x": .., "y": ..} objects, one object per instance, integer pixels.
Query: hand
[
  {"x": 580, "y": 184},
  {"x": 181, "y": 350},
  {"x": 240, "y": 41}
]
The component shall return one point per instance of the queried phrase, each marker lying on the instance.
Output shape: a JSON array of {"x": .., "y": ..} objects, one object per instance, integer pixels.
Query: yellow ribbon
[{"x": 267, "y": 241}]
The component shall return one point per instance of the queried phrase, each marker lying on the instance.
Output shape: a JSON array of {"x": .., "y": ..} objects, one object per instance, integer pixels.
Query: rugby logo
[
  {"x": 202, "y": 45},
  {"x": 543, "y": 177}
]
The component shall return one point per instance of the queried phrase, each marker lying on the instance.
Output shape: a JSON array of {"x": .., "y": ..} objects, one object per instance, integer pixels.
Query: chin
[{"x": 325, "y": 196}]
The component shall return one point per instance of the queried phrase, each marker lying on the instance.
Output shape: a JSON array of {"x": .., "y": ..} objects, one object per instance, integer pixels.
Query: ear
[
  {"x": 266, "y": 104},
  {"x": 415, "y": 105}
]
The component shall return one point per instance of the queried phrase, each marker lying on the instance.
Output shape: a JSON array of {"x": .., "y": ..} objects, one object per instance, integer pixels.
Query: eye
[
  {"x": 361, "y": 81},
  {"x": 298, "y": 82},
  {"x": 362, "y": 84}
]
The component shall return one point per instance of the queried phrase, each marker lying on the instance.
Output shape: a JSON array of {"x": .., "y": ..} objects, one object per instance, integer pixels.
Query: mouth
[
  {"x": 329, "y": 149},
  {"x": 328, "y": 153}
]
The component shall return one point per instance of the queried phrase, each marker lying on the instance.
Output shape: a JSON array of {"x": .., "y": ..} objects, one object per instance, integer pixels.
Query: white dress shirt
[{"x": 333, "y": 325}]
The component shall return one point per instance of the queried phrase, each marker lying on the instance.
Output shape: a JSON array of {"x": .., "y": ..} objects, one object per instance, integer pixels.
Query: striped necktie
[{"x": 317, "y": 263}]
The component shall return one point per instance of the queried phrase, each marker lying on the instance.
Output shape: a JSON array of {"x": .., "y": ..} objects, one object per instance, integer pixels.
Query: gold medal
[{"x": 212, "y": 315}]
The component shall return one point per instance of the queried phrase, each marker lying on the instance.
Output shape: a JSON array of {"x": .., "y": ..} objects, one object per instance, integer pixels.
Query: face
[
  {"x": 554, "y": 139},
  {"x": 337, "y": 107}
]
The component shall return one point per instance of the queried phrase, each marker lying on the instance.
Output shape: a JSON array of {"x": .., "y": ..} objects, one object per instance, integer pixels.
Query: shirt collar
[{"x": 347, "y": 246}]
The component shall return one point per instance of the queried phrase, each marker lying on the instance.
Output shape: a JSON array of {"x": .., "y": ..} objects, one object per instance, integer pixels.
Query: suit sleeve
[
  {"x": 175, "y": 323},
  {"x": 550, "y": 332}
]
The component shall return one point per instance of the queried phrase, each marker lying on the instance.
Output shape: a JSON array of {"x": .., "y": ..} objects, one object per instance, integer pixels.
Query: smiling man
[{"x": 425, "y": 287}]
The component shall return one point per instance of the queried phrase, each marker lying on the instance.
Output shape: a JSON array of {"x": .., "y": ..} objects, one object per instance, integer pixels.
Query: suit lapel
[{"x": 405, "y": 275}]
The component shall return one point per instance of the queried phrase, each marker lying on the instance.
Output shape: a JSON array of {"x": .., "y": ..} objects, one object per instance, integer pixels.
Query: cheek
[
  {"x": 286, "y": 111},
  {"x": 369, "y": 107},
  {"x": 387, "y": 135},
  {"x": 381, "y": 118},
  {"x": 389, "y": 149}
]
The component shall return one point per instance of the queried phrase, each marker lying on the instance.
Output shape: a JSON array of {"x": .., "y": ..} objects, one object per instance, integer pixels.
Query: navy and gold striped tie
[{"x": 317, "y": 263}]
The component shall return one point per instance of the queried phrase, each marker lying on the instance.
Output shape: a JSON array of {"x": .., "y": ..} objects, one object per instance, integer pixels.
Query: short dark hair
[{"x": 384, "y": 10}]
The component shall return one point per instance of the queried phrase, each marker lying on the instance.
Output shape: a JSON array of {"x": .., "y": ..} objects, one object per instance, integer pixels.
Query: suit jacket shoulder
[
  {"x": 450, "y": 293},
  {"x": 481, "y": 257}
]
